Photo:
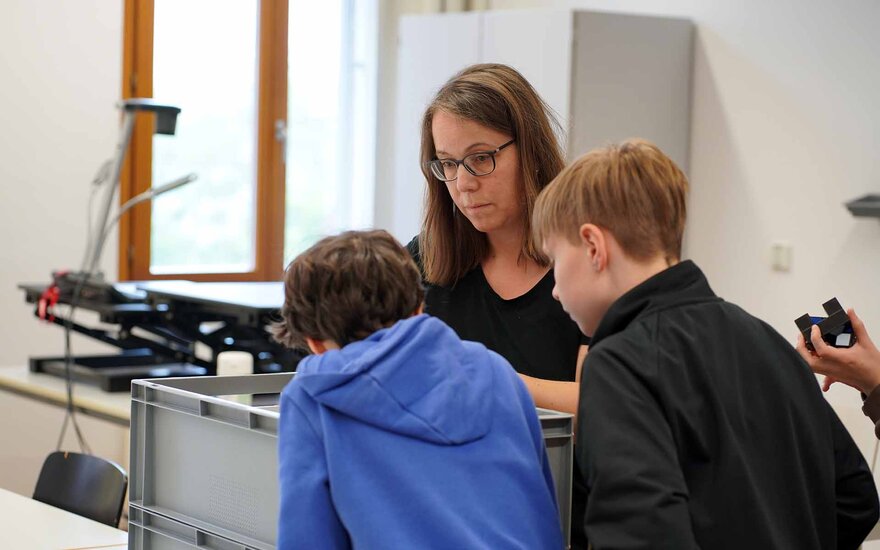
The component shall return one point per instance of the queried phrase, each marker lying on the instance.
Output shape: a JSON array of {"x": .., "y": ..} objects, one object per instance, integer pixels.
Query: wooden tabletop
[{"x": 27, "y": 523}]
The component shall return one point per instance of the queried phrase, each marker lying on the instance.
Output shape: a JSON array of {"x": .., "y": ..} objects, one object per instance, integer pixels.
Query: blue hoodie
[{"x": 413, "y": 438}]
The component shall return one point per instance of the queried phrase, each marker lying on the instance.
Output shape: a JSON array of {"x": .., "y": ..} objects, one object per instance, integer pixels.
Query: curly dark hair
[{"x": 346, "y": 287}]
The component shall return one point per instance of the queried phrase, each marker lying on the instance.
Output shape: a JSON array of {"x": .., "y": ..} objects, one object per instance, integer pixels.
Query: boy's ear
[
  {"x": 315, "y": 346},
  {"x": 595, "y": 246},
  {"x": 320, "y": 346}
]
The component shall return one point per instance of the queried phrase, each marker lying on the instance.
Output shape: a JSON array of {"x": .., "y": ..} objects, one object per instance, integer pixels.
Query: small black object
[
  {"x": 836, "y": 329},
  {"x": 867, "y": 206},
  {"x": 166, "y": 115},
  {"x": 91, "y": 289}
]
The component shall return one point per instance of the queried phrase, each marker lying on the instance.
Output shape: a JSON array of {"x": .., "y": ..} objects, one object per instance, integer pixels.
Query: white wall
[{"x": 60, "y": 65}]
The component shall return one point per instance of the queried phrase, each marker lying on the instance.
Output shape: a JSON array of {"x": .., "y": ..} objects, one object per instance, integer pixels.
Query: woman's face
[{"x": 492, "y": 202}]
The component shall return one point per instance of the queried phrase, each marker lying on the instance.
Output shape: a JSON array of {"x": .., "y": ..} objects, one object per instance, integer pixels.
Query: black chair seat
[{"x": 86, "y": 485}]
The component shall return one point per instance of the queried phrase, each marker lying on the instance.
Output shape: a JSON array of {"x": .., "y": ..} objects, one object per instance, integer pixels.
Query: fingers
[
  {"x": 801, "y": 348},
  {"x": 824, "y": 357},
  {"x": 816, "y": 365},
  {"x": 859, "y": 329},
  {"x": 826, "y": 384},
  {"x": 822, "y": 349}
]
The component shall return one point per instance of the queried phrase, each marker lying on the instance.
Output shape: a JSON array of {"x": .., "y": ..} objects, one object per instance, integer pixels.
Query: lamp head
[{"x": 166, "y": 115}]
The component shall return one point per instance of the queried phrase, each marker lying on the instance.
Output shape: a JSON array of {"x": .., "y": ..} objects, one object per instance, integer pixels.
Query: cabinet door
[
  {"x": 631, "y": 78},
  {"x": 537, "y": 43},
  {"x": 430, "y": 50}
]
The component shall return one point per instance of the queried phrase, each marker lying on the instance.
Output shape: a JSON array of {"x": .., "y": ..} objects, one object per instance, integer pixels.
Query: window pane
[
  {"x": 205, "y": 61},
  {"x": 330, "y": 152}
]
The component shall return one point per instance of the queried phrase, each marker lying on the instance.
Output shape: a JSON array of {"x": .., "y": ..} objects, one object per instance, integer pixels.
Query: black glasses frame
[{"x": 436, "y": 165}]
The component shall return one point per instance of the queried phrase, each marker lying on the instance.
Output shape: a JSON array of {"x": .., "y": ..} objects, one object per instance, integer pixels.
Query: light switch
[{"x": 780, "y": 256}]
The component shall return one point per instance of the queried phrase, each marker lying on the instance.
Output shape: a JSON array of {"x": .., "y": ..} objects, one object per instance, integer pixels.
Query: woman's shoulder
[
  {"x": 416, "y": 253},
  {"x": 413, "y": 248}
]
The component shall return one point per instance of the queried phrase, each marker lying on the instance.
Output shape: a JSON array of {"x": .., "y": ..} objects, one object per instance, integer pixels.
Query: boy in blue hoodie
[{"x": 396, "y": 433}]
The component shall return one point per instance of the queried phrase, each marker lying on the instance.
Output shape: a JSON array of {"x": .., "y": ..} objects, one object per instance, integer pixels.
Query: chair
[{"x": 87, "y": 485}]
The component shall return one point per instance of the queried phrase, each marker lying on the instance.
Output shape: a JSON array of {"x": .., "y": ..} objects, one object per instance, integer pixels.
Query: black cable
[
  {"x": 70, "y": 414},
  {"x": 99, "y": 179},
  {"x": 68, "y": 366}
]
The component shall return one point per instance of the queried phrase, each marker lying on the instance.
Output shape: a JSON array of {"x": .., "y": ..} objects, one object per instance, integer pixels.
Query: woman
[{"x": 488, "y": 148}]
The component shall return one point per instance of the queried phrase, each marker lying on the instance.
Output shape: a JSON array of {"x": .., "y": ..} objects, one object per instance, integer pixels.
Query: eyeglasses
[{"x": 481, "y": 163}]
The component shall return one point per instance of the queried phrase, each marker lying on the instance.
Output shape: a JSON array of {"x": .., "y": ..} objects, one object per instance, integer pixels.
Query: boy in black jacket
[{"x": 699, "y": 426}]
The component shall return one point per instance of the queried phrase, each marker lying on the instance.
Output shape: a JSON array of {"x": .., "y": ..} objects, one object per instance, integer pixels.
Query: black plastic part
[
  {"x": 830, "y": 327},
  {"x": 867, "y": 206},
  {"x": 90, "y": 289},
  {"x": 177, "y": 322},
  {"x": 166, "y": 115},
  {"x": 114, "y": 373}
]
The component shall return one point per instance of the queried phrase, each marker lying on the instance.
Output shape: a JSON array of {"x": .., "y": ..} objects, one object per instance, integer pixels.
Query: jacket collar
[{"x": 680, "y": 284}]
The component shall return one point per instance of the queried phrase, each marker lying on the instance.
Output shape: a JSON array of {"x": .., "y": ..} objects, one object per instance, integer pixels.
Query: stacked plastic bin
[{"x": 204, "y": 461}]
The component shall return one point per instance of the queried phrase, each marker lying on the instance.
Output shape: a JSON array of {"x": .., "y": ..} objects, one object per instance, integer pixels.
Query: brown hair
[
  {"x": 346, "y": 287},
  {"x": 631, "y": 189},
  {"x": 498, "y": 97}
]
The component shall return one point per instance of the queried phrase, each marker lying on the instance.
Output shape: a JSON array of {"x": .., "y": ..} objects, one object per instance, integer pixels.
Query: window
[
  {"x": 331, "y": 107},
  {"x": 280, "y": 132}
]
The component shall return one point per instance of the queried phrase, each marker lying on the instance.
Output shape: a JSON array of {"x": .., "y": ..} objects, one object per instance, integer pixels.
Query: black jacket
[
  {"x": 871, "y": 408},
  {"x": 700, "y": 426}
]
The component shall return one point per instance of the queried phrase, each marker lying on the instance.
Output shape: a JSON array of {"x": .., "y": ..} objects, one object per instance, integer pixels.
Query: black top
[
  {"x": 701, "y": 427},
  {"x": 531, "y": 331}
]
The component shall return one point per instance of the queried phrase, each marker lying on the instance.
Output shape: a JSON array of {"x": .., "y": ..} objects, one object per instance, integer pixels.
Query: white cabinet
[{"x": 607, "y": 76}]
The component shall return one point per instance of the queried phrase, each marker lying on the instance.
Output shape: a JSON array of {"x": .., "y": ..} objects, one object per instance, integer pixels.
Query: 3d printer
[{"x": 162, "y": 328}]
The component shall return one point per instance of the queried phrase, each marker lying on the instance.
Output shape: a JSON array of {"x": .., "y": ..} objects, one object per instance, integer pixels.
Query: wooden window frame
[{"x": 137, "y": 81}]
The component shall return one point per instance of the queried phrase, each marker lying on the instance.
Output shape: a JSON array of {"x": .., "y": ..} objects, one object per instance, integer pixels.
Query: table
[
  {"x": 27, "y": 523},
  {"x": 88, "y": 400}
]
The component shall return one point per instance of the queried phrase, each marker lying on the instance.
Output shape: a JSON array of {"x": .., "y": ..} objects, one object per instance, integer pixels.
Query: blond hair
[
  {"x": 631, "y": 189},
  {"x": 498, "y": 97}
]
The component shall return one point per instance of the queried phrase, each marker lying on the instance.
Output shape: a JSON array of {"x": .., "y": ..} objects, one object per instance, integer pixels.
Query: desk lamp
[{"x": 166, "y": 123}]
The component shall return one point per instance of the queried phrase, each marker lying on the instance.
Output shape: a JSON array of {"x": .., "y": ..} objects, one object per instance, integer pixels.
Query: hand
[
  {"x": 827, "y": 382},
  {"x": 858, "y": 366}
]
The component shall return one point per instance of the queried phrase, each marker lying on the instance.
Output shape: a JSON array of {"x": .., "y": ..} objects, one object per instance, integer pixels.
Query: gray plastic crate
[
  {"x": 204, "y": 455},
  {"x": 156, "y": 532}
]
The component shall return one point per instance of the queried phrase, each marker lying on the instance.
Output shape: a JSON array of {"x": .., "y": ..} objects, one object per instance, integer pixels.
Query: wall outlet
[{"x": 780, "y": 256}]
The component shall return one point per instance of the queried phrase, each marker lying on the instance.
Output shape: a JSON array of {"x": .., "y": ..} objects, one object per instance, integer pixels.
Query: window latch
[
  {"x": 280, "y": 131},
  {"x": 281, "y": 137}
]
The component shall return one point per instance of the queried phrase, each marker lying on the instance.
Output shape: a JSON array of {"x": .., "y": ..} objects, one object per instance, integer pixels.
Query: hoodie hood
[{"x": 416, "y": 378}]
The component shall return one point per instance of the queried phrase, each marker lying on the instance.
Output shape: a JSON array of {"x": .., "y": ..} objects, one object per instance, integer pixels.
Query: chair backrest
[{"x": 87, "y": 485}]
